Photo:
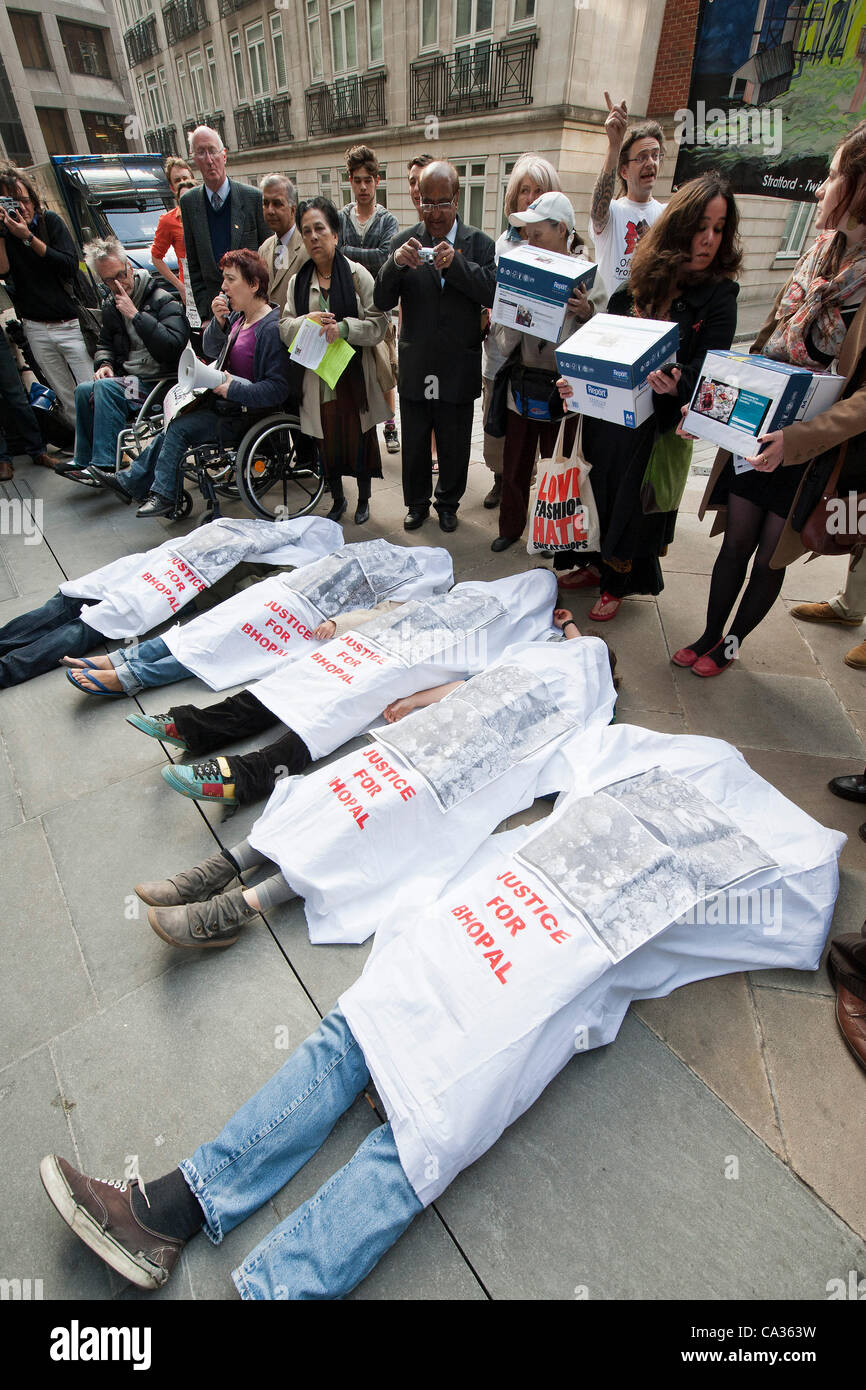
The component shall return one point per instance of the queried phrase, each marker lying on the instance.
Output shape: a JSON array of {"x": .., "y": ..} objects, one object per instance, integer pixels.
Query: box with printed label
[
  {"x": 740, "y": 396},
  {"x": 533, "y": 287},
  {"x": 607, "y": 362},
  {"x": 824, "y": 391}
]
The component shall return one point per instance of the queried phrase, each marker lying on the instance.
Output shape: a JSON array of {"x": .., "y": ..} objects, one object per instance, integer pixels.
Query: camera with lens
[
  {"x": 10, "y": 204},
  {"x": 427, "y": 253}
]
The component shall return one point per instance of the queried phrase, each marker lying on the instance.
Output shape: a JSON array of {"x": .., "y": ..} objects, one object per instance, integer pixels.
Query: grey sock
[
  {"x": 273, "y": 891},
  {"x": 244, "y": 856}
]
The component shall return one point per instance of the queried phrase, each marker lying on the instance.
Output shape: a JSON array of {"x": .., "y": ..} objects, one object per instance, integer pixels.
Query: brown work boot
[
  {"x": 822, "y": 613},
  {"x": 213, "y": 923},
  {"x": 190, "y": 885},
  {"x": 857, "y": 657},
  {"x": 100, "y": 1213},
  {"x": 43, "y": 460}
]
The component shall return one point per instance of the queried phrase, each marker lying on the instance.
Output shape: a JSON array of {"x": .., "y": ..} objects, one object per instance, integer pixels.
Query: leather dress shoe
[
  {"x": 415, "y": 517},
  {"x": 851, "y": 1017},
  {"x": 6, "y": 471},
  {"x": 494, "y": 495},
  {"x": 852, "y": 788},
  {"x": 503, "y": 542},
  {"x": 339, "y": 507},
  {"x": 362, "y": 513},
  {"x": 856, "y": 658},
  {"x": 103, "y": 478},
  {"x": 447, "y": 521},
  {"x": 156, "y": 506},
  {"x": 822, "y": 613}
]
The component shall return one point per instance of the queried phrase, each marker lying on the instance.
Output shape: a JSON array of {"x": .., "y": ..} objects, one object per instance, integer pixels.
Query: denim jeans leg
[
  {"x": 84, "y": 424},
  {"x": 332, "y": 1242},
  {"x": 39, "y": 622},
  {"x": 147, "y": 664},
  {"x": 138, "y": 479},
  {"x": 111, "y": 411},
  {"x": 202, "y": 427},
  {"x": 43, "y": 652},
  {"x": 275, "y": 1132}
]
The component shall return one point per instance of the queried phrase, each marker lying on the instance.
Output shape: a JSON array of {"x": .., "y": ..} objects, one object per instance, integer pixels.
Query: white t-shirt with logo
[
  {"x": 331, "y": 695},
  {"x": 626, "y": 224},
  {"x": 413, "y": 806},
  {"x": 669, "y": 860}
]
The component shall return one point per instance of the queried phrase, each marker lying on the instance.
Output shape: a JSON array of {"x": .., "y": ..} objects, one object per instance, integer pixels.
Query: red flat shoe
[
  {"x": 686, "y": 656},
  {"x": 706, "y": 667},
  {"x": 605, "y": 608},
  {"x": 581, "y": 579}
]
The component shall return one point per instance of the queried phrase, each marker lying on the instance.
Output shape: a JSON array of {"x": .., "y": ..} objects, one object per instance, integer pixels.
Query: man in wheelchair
[
  {"x": 243, "y": 337},
  {"x": 143, "y": 331}
]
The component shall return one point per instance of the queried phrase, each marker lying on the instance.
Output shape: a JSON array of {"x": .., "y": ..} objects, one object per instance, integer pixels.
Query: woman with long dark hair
[
  {"x": 682, "y": 272},
  {"x": 338, "y": 295},
  {"x": 818, "y": 320}
]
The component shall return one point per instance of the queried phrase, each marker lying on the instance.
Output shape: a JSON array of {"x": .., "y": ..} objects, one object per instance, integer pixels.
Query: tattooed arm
[{"x": 605, "y": 185}]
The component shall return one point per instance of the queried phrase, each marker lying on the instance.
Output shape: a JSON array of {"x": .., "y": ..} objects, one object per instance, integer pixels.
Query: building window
[
  {"x": 196, "y": 77},
  {"x": 85, "y": 49},
  {"x": 212, "y": 77},
  {"x": 381, "y": 187},
  {"x": 314, "y": 39},
  {"x": 325, "y": 191},
  {"x": 154, "y": 101},
  {"x": 104, "y": 133},
  {"x": 429, "y": 24},
  {"x": 55, "y": 131},
  {"x": 279, "y": 52},
  {"x": 27, "y": 29},
  {"x": 166, "y": 100},
  {"x": 507, "y": 169},
  {"x": 522, "y": 13},
  {"x": 183, "y": 84},
  {"x": 375, "y": 33},
  {"x": 473, "y": 186},
  {"x": 238, "y": 65},
  {"x": 796, "y": 233},
  {"x": 255, "y": 37},
  {"x": 344, "y": 48},
  {"x": 473, "y": 17}
]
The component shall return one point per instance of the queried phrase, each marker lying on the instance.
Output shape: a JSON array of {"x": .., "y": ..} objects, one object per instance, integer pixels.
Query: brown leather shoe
[
  {"x": 7, "y": 473},
  {"x": 822, "y": 613},
  {"x": 851, "y": 1017},
  {"x": 100, "y": 1213},
  {"x": 43, "y": 461},
  {"x": 856, "y": 657}
]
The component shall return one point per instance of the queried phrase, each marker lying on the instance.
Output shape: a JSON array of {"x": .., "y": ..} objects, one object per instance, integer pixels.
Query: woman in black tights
[{"x": 818, "y": 321}]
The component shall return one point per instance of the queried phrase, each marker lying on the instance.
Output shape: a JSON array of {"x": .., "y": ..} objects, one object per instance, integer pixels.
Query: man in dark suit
[
  {"x": 441, "y": 294},
  {"x": 218, "y": 217}
]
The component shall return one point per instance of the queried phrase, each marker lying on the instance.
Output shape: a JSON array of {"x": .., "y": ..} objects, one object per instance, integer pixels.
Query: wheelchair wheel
[
  {"x": 183, "y": 508},
  {"x": 270, "y": 480}
]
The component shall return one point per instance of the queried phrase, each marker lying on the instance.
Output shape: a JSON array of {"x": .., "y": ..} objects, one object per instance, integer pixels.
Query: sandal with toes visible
[
  {"x": 606, "y": 607},
  {"x": 102, "y": 690}
]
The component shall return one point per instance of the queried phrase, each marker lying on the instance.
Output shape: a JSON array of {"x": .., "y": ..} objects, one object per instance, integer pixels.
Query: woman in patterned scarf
[{"x": 819, "y": 322}]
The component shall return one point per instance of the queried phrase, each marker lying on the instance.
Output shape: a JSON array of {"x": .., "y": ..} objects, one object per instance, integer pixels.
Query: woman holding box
[
  {"x": 817, "y": 320},
  {"x": 531, "y": 424},
  {"x": 682, "y": 272}
]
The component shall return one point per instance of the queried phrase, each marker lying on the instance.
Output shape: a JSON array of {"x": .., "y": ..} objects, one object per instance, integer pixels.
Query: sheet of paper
[{"x": 311, "y": 349}]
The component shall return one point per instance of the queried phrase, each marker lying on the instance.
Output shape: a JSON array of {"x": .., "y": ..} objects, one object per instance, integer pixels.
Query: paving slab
[
  {"x": 614, "y": 1186},
  {"x": 755, "y": 709},
  {"x": 693, "y": 550},
  {"x": 828, "y": 643},
  {"x": 820, "y": 1090},
  {"x": 804, "y": 781},
  {"x": 848, "y": 917},
  {"x": 45, "y": 986}
]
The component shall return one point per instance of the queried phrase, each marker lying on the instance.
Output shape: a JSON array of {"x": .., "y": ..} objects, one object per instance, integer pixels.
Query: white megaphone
[{"x": 195, "y": 375}]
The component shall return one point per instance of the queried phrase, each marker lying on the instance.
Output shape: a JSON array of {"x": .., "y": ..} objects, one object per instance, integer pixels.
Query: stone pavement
[{"x": 614, "y": 1185}]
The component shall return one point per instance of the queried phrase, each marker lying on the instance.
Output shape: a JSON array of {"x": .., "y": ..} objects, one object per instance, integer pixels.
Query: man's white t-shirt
[{"x": 626, "y": 224}]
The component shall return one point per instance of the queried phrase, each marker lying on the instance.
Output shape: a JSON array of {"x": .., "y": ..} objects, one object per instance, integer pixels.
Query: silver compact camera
[
  {"x": 10, "y": 204},
  {"x": 427, "y": 253}
]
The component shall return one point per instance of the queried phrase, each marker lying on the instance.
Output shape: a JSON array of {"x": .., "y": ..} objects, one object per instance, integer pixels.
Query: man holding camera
[{"x": 442, "y": 273}]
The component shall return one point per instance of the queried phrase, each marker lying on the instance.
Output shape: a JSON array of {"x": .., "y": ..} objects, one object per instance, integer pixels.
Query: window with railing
[
  {"x": 183, "y": 17},
  {"x": 344, "y": 43},
  {"x": 348, "y": 103},
  {"x": 228, "y": 7},
  {"x": 212, "y": 77},
  {"x": 212, "y": 120},
  {"x": 162, "y": 140},
  {"x": 255, "y": 41},
  {"x": 141, "y": 41},
  {"x": 265, "y": 122},
  {"x": 490, "y": 76}
]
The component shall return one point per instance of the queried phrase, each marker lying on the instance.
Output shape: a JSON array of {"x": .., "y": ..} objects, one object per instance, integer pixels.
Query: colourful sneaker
[
  {"x": 210, "y": 781},
  {"x": 160, "y": 726},
  {"x": 392, "y": 440}
]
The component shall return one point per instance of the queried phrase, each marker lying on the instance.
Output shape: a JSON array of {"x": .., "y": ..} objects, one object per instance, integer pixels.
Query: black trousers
[
  {"x": 452, "y": 425},
  {"x": 255, "y": 774}
]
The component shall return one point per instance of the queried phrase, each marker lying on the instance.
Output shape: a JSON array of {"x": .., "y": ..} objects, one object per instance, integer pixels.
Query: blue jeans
[
  {"x": 157, "y": 468},
  {"x": 37, "y": 640},
  {"x": 331, "y": 1243},
  {"x": 102, "y": 410},
  {"x": 145, "y": 664}
]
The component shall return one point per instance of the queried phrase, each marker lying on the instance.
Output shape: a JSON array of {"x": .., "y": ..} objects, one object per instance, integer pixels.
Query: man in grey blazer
[
  {"x": 284, "y": 252},
  {"x": 218, "y": 217}
]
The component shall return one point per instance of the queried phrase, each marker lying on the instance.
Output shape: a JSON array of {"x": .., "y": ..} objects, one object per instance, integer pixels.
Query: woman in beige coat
[
  {"x": 818, "y": 320},
  {"x": 338, "y": 295}
]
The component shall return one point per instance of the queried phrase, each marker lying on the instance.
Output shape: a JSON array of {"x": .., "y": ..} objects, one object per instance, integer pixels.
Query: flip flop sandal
[
  {"x": 102, "y": 690},
  {"x": 68, "y": 660}
]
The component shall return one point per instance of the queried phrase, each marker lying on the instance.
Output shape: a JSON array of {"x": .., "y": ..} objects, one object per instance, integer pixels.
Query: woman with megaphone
[{"x": 249, "y": 378}]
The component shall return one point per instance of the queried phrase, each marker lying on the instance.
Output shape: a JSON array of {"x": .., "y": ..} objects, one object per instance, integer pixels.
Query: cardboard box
[
  {"x": 740, "y": 396},
  {"x": 533, "y": 287},
  {"x": 824, "y": 390},
  {"x": 607, "y": 361}
]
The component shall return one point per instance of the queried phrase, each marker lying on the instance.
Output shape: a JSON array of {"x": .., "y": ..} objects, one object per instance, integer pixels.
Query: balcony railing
[
  {"x": 183, "y": 17},
  {"x": 228, "y": 7},
  {"x": 266, "y": 122},
  {"x": 491, "y": 76},
  {"x": 141, "y": 41},
  {"x": 216, "y": 123},
  {"x": 163, "y": 140},
  {"x": 350, "y": 103}
]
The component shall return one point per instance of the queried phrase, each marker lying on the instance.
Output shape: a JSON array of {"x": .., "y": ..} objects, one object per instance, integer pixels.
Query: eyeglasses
[
  {"x": 114, "y": 279},
  {"x": 648, "y": 157},
  {"x": 441, "y": 206},
  {"x": 207, "y": 154}
]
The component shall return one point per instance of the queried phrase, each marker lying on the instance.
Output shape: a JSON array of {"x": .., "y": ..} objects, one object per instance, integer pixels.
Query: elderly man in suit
[
  {"x": 284, "y": 252},
  {"x": 218, "y": 217},
  {"x": 442, "y": 273}
]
